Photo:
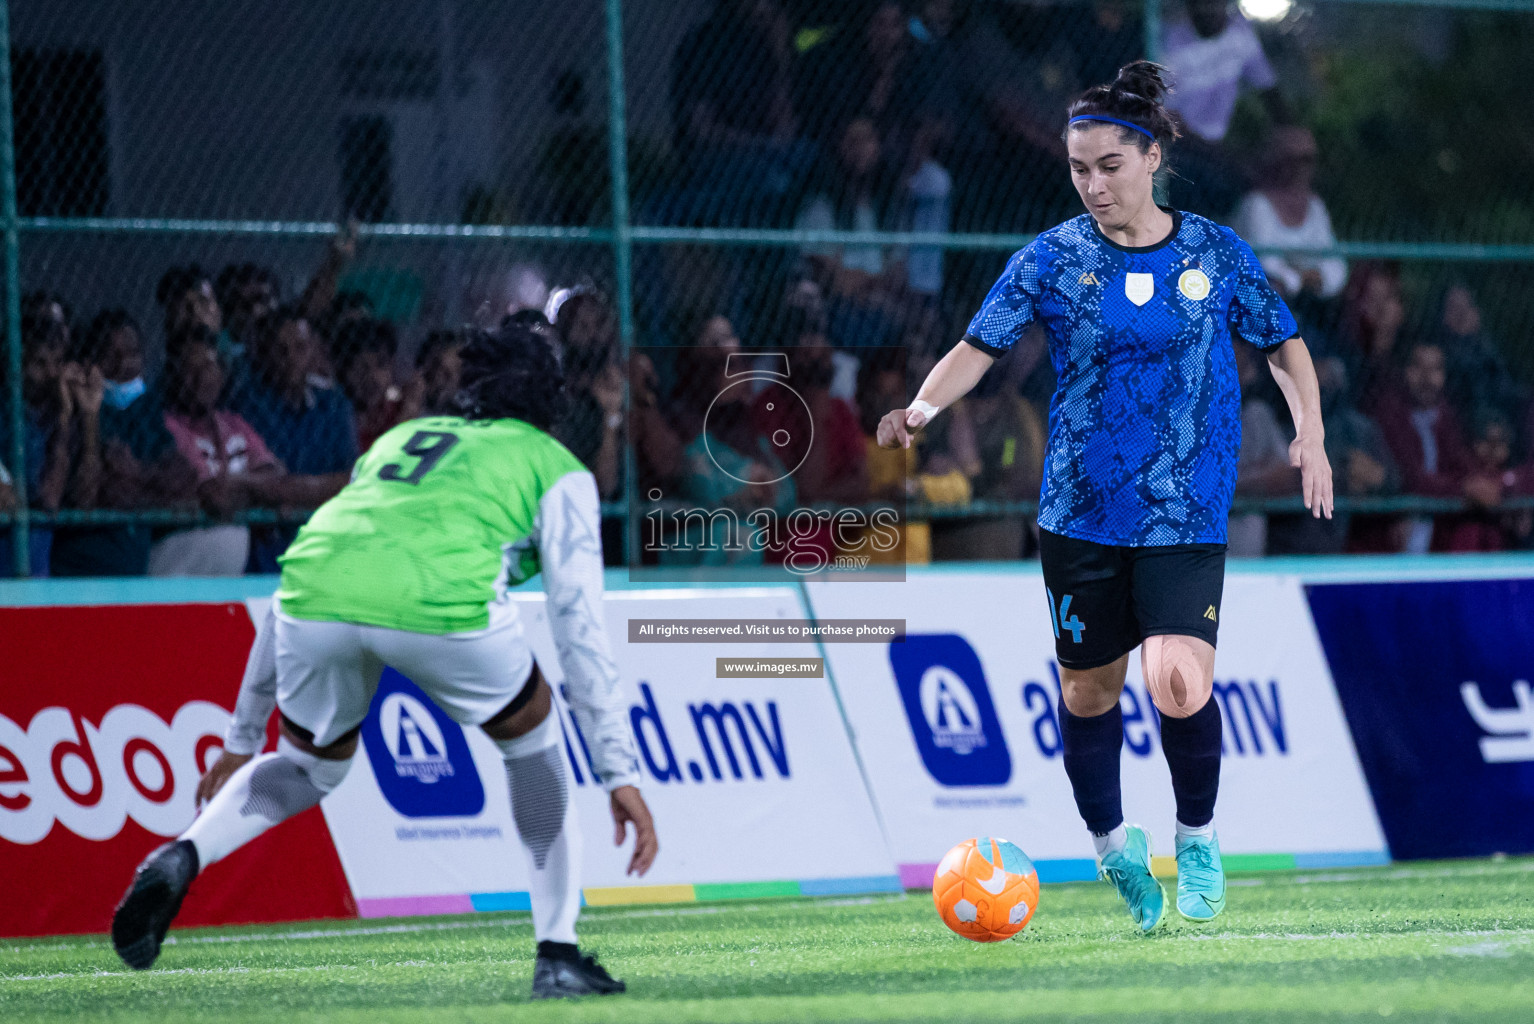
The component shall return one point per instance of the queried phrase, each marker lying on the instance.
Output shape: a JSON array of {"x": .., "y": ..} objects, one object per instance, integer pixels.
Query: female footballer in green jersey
[{"x": 408, "y": 567}]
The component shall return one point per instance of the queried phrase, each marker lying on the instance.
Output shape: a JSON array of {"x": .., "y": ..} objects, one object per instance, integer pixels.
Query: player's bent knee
[
  {"x": 526, "y": 713},
  {"x": 322, "y": 774},
  {"x": 1179, "y": 673},
  {"x": 1088, "y": 693}
]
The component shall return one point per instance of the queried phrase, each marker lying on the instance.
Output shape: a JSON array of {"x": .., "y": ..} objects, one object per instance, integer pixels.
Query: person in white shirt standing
[
  {"x": 1213, "y": 53},
  {"x": 1285, "y": 213}
]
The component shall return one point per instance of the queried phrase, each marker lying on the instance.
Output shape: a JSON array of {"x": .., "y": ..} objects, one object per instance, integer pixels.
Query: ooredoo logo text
[{"x": 91, "y": 777}]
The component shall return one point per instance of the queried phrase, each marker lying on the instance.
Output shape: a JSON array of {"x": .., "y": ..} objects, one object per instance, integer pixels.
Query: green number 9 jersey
[{"x": 442, "y": 515}]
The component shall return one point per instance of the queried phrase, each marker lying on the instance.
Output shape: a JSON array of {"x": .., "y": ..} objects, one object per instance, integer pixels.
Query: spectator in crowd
[
  {"x": 141, "y": 467},
  {"x": 927, "y": 201},
  {"x": 712, "y": 339},
  {"x": 1427, "y": 442},
  {"x": 864, "y": 283},
  {"x": 861, "y": 72},
  {"x": 45, "y": 307},
  {"x": 1007, "y": 149},
  {"x": 657, "y": 448},
  {"x": 733, "y": 110},
  {"x": 1363, "y": 468},
  {"x": 817, "y": 439},
  {"x": 246, "y": 292},
  {"x": 1107, "y": 34},
  {"x": 230, "y": 459},
  {"x": 587, "y": 334},
  {"x": 593, "y": 426},
  {"x": 1479, "y": 377},
  {"x": 365, "y": 351},
  {"x": 729, "y": 465},
  {"x": 61, "y": 427},
  {"x": 882, "y": 386},
  {"x": 321, "y": 293},
  {"x": 344, "y": 308},
  {"x": 1212, "y": 54},
  {"x": 1490, "y": 478},
  {"x": 308, "y": 428},
  {"x": 437, "y": 365},
  {"x": 1373, "y": 333},
  {"x": 716, "y": 331},
  {"x": 1262, "y": 468},
  {"x": 186, "y": 296},
  {"x": 1284, "y": 212},
  {"x": 833, "y": 466},
  {"x": 1003, "y": 459}
]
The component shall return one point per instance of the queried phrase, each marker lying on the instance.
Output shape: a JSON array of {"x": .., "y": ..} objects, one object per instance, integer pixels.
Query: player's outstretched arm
[
  {"x": 1296, "y": 377},
  {"x": 949, "y": 381},
  {"x": 252, "y": 710},
  {"x": 570, "y": 548}
]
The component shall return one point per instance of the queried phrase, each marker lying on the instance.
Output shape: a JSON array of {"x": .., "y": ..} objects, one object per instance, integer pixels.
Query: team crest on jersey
[
  {"x": 1139, "y": 288},
  {"x": 1194, "y": 284}
]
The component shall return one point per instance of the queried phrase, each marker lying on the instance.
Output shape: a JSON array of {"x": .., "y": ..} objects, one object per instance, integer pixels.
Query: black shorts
[{"x": 1104, "y": 600}]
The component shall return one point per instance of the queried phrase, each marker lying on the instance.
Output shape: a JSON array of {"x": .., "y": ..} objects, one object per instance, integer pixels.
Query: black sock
[
  {"x": 558, "y": 950},
  {"x": 1092, "y": 752},
  {"x": 191, "y": 850},
  {"x": 1192, "y": 748}
]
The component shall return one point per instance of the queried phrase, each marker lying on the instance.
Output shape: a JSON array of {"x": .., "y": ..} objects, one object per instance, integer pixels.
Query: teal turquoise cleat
[
  {"x": 1129, "y": 870},
  {"x": 1200, "y": 878}
]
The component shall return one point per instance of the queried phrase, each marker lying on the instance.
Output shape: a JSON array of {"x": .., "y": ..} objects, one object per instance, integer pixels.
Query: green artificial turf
[{"x": 1425, "y": 942}]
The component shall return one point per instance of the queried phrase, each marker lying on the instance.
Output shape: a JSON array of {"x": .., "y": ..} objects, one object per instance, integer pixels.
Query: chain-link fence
[{"x": 243, "y": 239}]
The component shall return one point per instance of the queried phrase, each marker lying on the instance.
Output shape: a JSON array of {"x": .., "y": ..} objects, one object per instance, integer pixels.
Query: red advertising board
[{"x": 108, "y": 716}]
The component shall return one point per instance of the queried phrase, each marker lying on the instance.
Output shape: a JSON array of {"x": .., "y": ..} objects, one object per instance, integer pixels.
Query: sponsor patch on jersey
[
  {"x": 1194, "y": 284},
  {"x": 1138, "y": 288}
]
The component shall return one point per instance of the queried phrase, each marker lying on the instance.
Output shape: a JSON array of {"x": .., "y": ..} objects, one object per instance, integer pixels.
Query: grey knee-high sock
[{"x": 540, "y": 805}]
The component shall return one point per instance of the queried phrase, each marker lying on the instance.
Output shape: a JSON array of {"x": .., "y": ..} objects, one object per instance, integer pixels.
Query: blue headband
[{"x": 1114, "y": 120}]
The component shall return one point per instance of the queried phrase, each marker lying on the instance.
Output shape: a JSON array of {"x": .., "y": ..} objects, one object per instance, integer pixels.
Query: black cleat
[
  {"x": 567, "y": 974},
  {"x": 151, "y": 903}
]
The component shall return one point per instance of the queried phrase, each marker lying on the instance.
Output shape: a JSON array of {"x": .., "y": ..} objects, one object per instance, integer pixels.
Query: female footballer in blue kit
[{"x": 1140, "y": 304}]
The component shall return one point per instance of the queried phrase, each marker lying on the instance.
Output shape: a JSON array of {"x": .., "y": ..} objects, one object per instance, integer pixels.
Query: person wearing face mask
[{"x": 140, "y": 466}]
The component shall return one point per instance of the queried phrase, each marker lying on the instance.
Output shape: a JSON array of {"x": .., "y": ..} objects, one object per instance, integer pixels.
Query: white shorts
[{"x": 327, "y": 672}]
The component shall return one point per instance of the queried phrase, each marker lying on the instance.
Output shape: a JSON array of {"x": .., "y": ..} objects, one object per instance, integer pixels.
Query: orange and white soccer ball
[{"x": 985, "y": 889}]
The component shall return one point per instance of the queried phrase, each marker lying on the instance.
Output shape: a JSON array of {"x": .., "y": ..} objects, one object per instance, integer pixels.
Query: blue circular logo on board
[
  {"x": 948, "y": 704},
  {"x": 420, "y": 757}
]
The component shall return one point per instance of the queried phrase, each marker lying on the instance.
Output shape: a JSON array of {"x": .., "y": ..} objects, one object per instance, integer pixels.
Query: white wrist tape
[{"x": 927, "y": 409}]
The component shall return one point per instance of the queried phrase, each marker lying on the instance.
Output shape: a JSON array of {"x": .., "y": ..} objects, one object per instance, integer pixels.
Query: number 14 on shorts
[{"x": 1058, "y": 619}]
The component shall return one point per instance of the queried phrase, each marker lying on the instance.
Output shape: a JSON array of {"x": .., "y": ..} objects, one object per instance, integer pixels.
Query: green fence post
[
  {"x": 1153, "y": 30},
  {"x": 623, "y": 253},
  {"x": 18, "y": 453}
]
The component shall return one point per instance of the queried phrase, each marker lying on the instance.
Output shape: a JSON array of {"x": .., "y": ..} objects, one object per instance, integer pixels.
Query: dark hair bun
[
  {"x": 1137, "y": 95},
  {"x": 1142, "y": 78}
]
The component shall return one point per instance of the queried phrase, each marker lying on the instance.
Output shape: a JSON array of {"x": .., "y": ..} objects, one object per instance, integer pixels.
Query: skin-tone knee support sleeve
[{"x": 1179, "y": 672}]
